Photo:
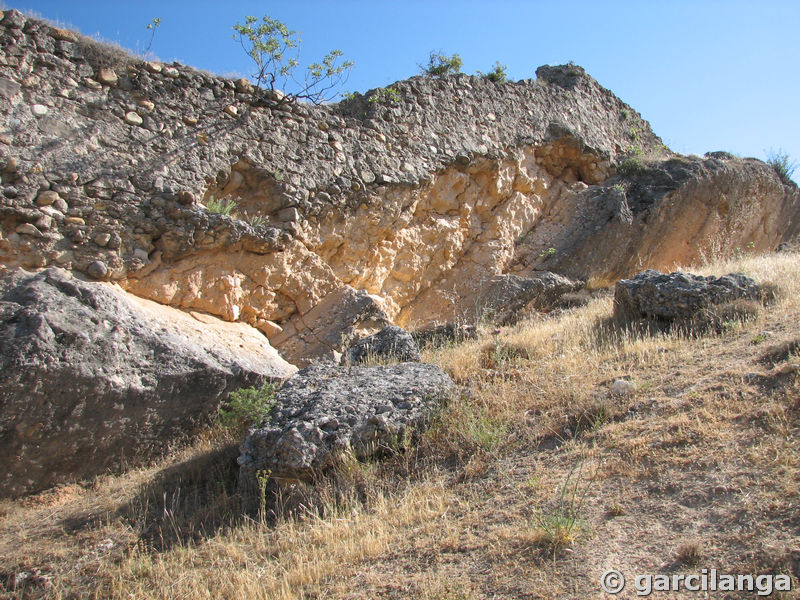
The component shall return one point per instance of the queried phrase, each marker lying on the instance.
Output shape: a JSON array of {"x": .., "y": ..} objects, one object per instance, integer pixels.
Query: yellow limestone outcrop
[
  {"x": 425, "y": 254},
  {"x": 422, "y": 254}
]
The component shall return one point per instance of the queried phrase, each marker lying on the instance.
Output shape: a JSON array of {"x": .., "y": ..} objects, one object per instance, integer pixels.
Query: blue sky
[{"x": 707, "y": 75}]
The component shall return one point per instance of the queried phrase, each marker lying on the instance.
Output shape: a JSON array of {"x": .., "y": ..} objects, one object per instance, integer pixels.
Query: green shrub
[
  {"x": 782, "y": 164},
  {"x": 220, "y": 207},
  {"x": 631, "y": 166},
  {"x": 440, "y": 65},
  {"x": 246, "y": 406},
  {"x": 387, "y": 95},
  {"x": 498, "y": 74}
]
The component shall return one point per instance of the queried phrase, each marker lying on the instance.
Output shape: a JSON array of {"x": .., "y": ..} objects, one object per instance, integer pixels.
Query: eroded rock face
[
  {"x": 678, "y": 297},
  {"x": 91, "y": 377},
  {"x": 391, "y": 342},
  {"x": 670, "y": 213},
  {"x": 326, "y": 410},
  {"x": 108, "y": 163}
]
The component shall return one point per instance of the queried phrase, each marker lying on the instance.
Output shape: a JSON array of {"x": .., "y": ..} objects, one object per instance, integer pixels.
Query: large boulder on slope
[
  {"x": 92, "y": 378},
  {"x": 321, "y": 334},
  {"x": 677, "y": 298},
  {"x": 327, "y": 410}
]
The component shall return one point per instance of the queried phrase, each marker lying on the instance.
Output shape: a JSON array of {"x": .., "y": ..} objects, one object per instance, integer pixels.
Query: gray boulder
[
  {"x": 92, "y": 378},
  {"x": 391, "y": 342},
  {"x": 510, "y": 297},
  {"x": 677, "y": 297},
  {"x": 326, "y": 410}
]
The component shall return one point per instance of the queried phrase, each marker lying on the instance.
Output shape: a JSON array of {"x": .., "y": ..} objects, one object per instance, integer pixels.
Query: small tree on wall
[{"x": 274, "y": 48}]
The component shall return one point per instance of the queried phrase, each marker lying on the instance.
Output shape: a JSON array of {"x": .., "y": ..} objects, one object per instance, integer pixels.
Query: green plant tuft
[
  {"x": 631, "y": 166},
  {"x": 498, "y": 74},
  {"x": 246, "y": 406},
  {"x": 257, "y": 220},
  {"x": 485, "y": 432},
  {"x": 220, "y": 207},
  {"x": 388, "y": 95},
  {"x": 562, "y": 526},
  {"x": 441, "y": 65}
]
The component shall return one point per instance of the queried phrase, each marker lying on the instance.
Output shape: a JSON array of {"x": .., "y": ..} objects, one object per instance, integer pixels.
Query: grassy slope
[{"x": 529, "y": 486}]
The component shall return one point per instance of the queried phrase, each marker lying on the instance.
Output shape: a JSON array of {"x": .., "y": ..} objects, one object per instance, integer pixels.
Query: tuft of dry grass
[{"x": 690, "y": 553}]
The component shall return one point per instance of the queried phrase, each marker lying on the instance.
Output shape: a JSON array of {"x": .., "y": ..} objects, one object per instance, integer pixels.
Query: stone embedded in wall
[{"x": 107, "y": 76}]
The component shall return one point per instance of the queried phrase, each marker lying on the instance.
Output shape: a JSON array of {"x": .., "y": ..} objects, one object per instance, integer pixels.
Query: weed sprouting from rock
[
  {"x": 387, "y": 95},
  {"x": 631, "y": 166},
  {"x": 220, "y": 207},
  {"x": 783, "y": 165},
  {"x": 247, "y": 406},
  {"x": 441, "y": 65},
  {"x": 498, "y": 74},
  {"x": 151, "y": 27}
]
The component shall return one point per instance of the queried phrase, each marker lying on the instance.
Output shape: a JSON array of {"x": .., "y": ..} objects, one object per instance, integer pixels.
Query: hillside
[
  {"x": 252, "y": 348},
  {"x": 697, "y": 468}
]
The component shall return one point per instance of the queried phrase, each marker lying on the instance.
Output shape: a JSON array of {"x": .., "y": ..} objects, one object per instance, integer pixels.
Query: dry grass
[
  {"x": 530, "y": 484},
  {"x": 256, "y": 560}
]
